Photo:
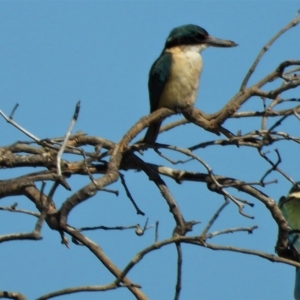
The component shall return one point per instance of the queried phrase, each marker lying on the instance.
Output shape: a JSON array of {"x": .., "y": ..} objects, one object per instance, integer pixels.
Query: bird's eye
[{"x": 200, "y": 37}]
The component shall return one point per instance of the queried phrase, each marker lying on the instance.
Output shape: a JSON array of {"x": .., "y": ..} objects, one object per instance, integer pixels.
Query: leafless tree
[{"x": 103, "y": 161}]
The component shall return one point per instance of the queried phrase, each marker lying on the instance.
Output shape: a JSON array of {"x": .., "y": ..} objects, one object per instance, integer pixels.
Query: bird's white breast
[
  {"x": 183, "y": 82},
  {"x": 295, "y": 194}
]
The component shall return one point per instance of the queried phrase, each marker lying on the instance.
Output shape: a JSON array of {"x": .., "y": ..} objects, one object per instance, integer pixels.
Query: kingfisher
[
  {"x": 290, "y": 208},
  {"x": 174, "y": 76}
]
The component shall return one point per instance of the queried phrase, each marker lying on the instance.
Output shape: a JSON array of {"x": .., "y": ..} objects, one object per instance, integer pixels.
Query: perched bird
[
  {"x": 290, "y": 208},
  {"x": 174, "y": 76}
]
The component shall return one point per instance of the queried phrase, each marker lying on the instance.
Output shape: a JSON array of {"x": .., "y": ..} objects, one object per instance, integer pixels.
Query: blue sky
[{"x": 54, "y": 53}]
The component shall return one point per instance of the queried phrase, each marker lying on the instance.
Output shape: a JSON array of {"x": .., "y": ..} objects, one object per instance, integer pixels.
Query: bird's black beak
[{"x": 215, "y": 42}]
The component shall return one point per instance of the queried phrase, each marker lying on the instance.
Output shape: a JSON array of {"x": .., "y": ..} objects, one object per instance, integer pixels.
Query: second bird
[
  {"x": 290, "y": 207},
  {"x": 174, "y": 76}
]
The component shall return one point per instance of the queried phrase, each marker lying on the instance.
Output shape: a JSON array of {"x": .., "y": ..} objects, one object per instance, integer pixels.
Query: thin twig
[
  {"x": 86, "y": 288},
  {"x": 13, "y": 208},
  {"x": 66, "y": 139},
  {"x": 13, "y": 111},
  {"x": 196, "y": 240},
  {"x": 274, "y": 166},
  {"x": 291, "y": 24},
  {"x": 231, "y": 230},
  {"x": 106, "y": 228},
  {"x": 179, "y": 271},
  {"x": 12, "y": 295},
  {"x": 156, "y": 231},
  {"x": 213, "y": 219},
  {"x": 138, "y": 211},
  {"x": 10, "y": 121}
]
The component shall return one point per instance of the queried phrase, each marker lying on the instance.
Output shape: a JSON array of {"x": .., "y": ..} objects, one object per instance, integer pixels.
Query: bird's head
[
  {"x": 293, "y": 194},
  {"x": 189, "y": 35},
  {"x": 295, "y": 190}
]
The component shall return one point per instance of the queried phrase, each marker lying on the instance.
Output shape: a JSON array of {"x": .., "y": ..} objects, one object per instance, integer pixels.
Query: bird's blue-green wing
[
  {"x": 158, "y": 76},
  {"x": 290, "y": 208}
]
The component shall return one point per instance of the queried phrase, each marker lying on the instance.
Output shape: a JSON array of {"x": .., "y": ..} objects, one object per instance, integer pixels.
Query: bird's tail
[
  {"x": 297, "y": 285},
  {"x": 152, "y": 133}
]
